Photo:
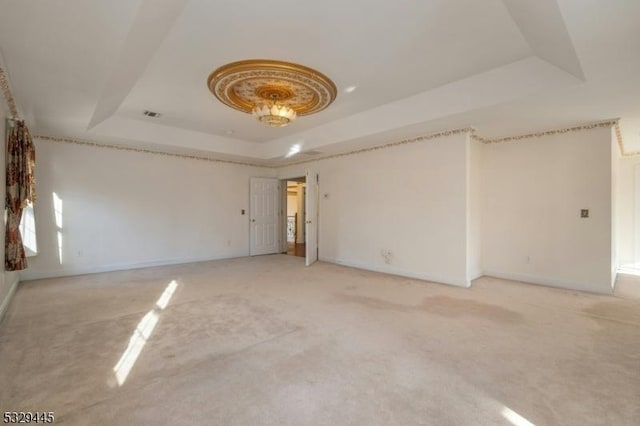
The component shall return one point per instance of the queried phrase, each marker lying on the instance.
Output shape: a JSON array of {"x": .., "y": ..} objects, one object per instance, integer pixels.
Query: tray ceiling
[{"x": 90, "y": 68}]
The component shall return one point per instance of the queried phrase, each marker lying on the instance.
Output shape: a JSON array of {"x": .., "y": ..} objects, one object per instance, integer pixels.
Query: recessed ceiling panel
[{"x": 388, "y": 50}]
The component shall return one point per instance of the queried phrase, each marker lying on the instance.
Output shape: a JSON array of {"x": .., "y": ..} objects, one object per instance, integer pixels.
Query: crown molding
[
  {"x": 145, "y": 150},
  {"x": 93, "y": 144},
  {"x": 615, "y": 124},
  {"x": 553, "y": 132},
  {"x": 465, "y": 130},
  {"x": 388, "y": 145}
]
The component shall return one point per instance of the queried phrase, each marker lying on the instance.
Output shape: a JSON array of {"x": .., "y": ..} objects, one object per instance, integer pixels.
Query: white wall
[
  {"x": 534, "y": 190},
  {"x": 409, "y": 199},
  {"x": 123, "y": 209},
  {"x": 292, "y": 205},
  {"x": 8, "y": 279},
  {"x": 448, "y": 209},
  {"x": 475, "y": 197},
  {"x": 627, "y": 212}
]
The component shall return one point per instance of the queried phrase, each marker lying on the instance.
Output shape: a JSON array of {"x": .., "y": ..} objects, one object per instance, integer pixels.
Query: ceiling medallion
[{"x": 275, "y": 92}]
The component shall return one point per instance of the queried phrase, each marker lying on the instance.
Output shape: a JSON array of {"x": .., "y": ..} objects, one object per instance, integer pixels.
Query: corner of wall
[
  {"x": 11, "y": 280},
  {"x": 531, "y": 219},
  {"x": 616, "y": 157},
  {"x": 474, "y": 200}
]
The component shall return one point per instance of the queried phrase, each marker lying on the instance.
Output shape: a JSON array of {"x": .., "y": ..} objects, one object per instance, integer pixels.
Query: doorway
[
  {"x": 269, "y": 222},
  {"x": 296, "y": 217}
]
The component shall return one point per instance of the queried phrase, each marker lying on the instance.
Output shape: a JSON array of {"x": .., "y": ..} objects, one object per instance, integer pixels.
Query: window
[{"x": 28, "y": 231}]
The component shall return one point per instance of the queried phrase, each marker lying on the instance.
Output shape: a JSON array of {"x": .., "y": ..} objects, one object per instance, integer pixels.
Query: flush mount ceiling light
[{"x": 275, "y": 92}]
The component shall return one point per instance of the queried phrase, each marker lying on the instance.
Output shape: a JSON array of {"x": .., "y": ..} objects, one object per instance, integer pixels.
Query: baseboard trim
[
  {"x": 531, "y": 279},
  {"x": 4, "y": 307},
  {"x": 399, "y": 272},
  {"x": 475, "y": 275},
  {"x": 28, "y": 275}
]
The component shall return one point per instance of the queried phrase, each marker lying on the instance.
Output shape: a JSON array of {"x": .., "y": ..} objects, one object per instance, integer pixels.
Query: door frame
[
  {"x": 283, "y": 209},
  {"x": 283, "y": 216},
  {"x": 312, "y": 208}
]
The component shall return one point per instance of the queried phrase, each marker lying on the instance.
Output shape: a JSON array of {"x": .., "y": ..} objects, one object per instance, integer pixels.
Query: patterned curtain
[{"x": 21, "y": 160}]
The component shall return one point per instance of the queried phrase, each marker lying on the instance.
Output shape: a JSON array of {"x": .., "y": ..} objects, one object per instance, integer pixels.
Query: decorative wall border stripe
[
  {"x": 473, "y": 135},
  {"x": 554, "y": 132},
  {"x": 388, "y": 145},
  {"x": 618, "y": 133},
  {"x": 8, "y": 96},
  {"x": 471, "y": 131},
  {"x": 144, "y": 150},
  {"x": 623, "y": 152}
]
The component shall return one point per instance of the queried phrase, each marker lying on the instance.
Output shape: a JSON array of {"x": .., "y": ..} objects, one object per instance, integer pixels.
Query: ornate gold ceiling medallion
[{"x": 275, "y": 92}]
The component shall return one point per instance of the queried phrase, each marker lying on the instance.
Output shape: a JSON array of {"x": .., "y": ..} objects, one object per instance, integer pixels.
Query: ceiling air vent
[{"x": 152, "y": 114}]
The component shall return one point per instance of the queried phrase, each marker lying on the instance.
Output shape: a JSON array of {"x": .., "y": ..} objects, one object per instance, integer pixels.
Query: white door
[
  {"x": 311, "y": 225},
  {"x": 264, "y": 219}
]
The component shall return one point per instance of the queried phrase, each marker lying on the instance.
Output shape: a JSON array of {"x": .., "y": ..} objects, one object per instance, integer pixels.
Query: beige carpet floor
[{"x": 265, "y": 340}]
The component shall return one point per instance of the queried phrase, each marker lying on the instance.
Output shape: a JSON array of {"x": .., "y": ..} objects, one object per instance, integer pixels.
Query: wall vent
[{"x": 152, "y": 114}]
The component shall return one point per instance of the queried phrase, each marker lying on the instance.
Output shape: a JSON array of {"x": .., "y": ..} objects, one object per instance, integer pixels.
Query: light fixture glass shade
[{"x": 274, "y": 115}]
